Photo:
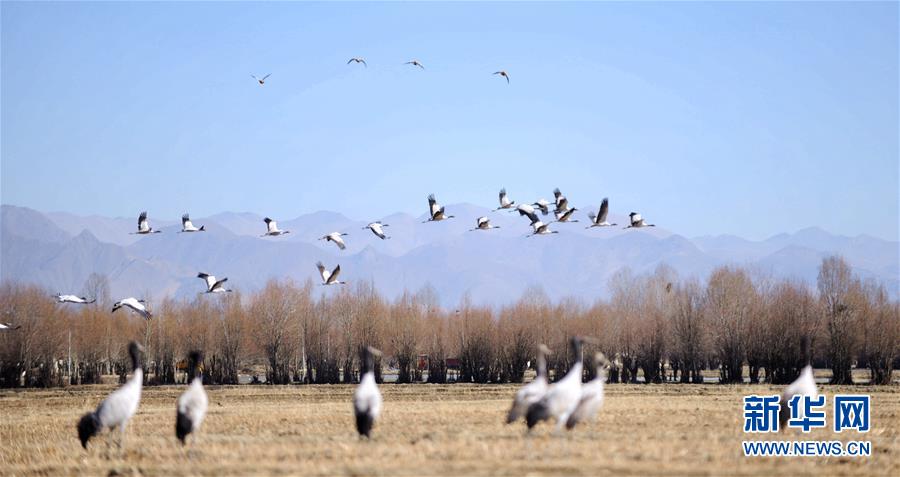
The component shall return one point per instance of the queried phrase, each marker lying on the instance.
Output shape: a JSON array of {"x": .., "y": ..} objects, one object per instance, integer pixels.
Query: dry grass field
[{"x": 425, "y": 430}]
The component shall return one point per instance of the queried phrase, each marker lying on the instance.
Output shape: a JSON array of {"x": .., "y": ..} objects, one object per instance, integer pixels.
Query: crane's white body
[
  {"x": 79, "y": 300},
  {"x": 336, "y": 238},
  {"x": 188, "y": 226},
  {"x": 329, "y": 277},
  {"x": 505, "y": 203},
  {"x": 599, "y": 219},
  {"x": 377, "y": 228},
  {"x": 135, "y": 305},
  {"x": 272, "y": 228},
  {"x": 562, "y": 397},
  {"x": 193, "y": 404},
  {"x": 804, "y": 385}
]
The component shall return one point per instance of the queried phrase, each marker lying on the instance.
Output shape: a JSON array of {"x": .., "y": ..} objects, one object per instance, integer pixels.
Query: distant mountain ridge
[{"x": 60, "y": 250}]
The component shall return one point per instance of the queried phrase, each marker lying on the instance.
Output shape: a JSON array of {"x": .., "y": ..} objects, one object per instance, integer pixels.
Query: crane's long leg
[{"x": 122, "y": 439}]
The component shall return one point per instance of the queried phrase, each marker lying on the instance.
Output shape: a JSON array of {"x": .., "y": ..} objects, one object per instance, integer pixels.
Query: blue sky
[{"x": 709, "y": 118}]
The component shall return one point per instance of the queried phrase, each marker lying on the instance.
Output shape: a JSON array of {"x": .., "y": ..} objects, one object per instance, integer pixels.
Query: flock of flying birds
[
  {"x": 362, "y": 61},
  {"x": 560, "y": 208}
]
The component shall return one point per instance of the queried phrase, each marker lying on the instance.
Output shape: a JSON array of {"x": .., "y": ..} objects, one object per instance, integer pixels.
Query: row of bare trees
[{"x": 658, "y": 327}]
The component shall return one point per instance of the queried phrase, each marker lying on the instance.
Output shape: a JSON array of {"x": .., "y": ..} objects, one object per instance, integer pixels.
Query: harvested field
[{"x": 425, "y": 430}]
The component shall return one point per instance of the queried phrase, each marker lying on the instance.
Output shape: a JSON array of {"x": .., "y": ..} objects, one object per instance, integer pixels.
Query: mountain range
[{"x": 60, "y": 250}]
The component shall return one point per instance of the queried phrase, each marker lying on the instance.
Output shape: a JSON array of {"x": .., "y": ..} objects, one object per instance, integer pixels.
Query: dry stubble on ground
[{"x": 425, "y": 430}]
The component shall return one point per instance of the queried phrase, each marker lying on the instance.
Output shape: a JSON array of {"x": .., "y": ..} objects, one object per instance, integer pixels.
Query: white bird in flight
[
  {"x": 377, "y": 229},
  {"x": 80, "y": 300},
  {"x": 262, "y": 80},
  {"x": 135, "y": 305},
  {"x": 505, "y": 203},
  {"x": 566, "y": 215},
  {"x": 484, "y": 223},
  {"x": 543, "y": 205},
  {"x": 436, "y": 211},
  {"x": 213, "y": 285},
  {"x": 540, "y": 228},
  {"x": 414, "y": 63},
  {"x": 144, "y": 225},
  {"x": 599, "y": 220},
  {"x": 329, "y": 278},
  {"x": 272, "y": 228},
  {"x": 336, "y": 238},
  {"x": 188, "y": 226},
  {"x": 357, "y": 59},
  {"x": 637, "y": 221}
]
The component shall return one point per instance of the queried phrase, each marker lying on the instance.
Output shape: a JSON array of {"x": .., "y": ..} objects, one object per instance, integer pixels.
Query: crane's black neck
[
  {"x": 367, "y": 363},
  {"x": 541, "y": 364},
  {"x": 805, "y": 350},
  {"x": 135, "y": 353},
  {"x": 576, "y": 349},
  {"x": 194, "y": 360}
]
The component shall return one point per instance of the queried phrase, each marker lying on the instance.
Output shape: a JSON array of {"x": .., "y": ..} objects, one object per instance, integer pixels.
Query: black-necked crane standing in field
[
  {"x": 213, "y": 285},
  {"x": 188, "y": 226},
  {"x": 504, "y": 74},
  {"x": 533, "y": 391},
  {"x": 566, "y": 215},
  {"x": 78, "y": 300},
  {"x": 436, "y": 211},
  {"x": 804, "y": 385},
  {"x": 336, "y": 238},
  {"x": 505, "y": 203},
  {"x": 543, "y": 205},
  {"x": 357, "y": 59},
  {"x": 262, "y": 80},
  {"x": 415, "y": 63},
  {"x": 562, "y": 203},
  {"x": 637, "y": 221},
  {"x": 483, "y": 223},
  {"x": 367, "y": 398},
  {"x": 377, "y": 228},
  {"x": 9, "y": 327},
  {"x": 144, "y": 227},
  {"x": 193, "y": 403},
  {"x": 599, "y": 220},
  {"x": 591, "y": 394},
  {"x": 562, "y": 396},
  {"x": 135, "y": 305},
  {"x": 119, "y": 407},
  {"x": 329, "y": 278},
  {"x": 272, "y": 229}
]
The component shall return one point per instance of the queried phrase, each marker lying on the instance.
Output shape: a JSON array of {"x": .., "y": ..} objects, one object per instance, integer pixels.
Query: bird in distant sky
[
  {"x": 188, "y": 226},
  {"x": 357, "y": 59},
  {"x": 599, "y": 220},
  {"x": 436, "y": 210},
  {"x": 329, "y": 278},
  {"x": 213, "y": 285},
  {"x": 414, "y": 63},
  {"x": 637, "y": 221},
  {"x": 561, "y": 202},
  {"x": 505, "y": 203},
  {"x": 135, "y": 305},
  {"x": 526, "y": 210},
  {"x": 376, "y": 228},
  {"x": 484, "y": 223},
  {"x": 565, "y": 216},
  {"x": 144, "y": 225},
  {"x": 272, "y": 228},
  {"x": 80, "y": 300},
  {"x": 540, "y": 228},
  {"x": 262, "y": 80},
  {"x": 543, "y": 205},
  {"x": 504, "y": 74},
  {"x": 336, "y": 238}
]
